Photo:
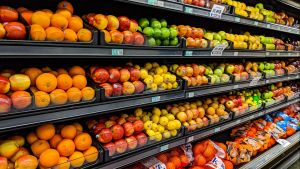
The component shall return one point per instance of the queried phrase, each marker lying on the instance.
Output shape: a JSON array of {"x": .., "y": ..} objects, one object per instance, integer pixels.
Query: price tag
[
  {"x": 260, "y": 113},
  {"x": 251, "y": 117},
  {"x": 117, "y": 52},
  {"x": 254, "y": 81},
  {"x": 216, "y": 130},
  {"x": 235, "y": 53},
  {"x": 155, "y": 99},
  {"x": 235, "y": 86},
  {"x": 289, "y": 54},
  {"x": 255, "y": 23},
  {"x": 267, "y": 53},
  {"x": 278, "y": 53},
  {"x": 238, "y": 121},
  {"x": 267, "y": 81},
  {"x": 216, "y": 11},
  {"x": 191, "y": 94},
  {"x": 218, "y": 50},
  {"x": 283, "y": 142},
  {"x": 268, "y": 26},
  {"x": 190, "y": 139},
  {"x": 160, "y": 3},
  {"x": 237, "y": 19},
  {"x": 188, "y": 53},
  {"x": 152, "y": 2},
  {"x": 188, "y": 10},
  {"x": 164, "y": 148}
]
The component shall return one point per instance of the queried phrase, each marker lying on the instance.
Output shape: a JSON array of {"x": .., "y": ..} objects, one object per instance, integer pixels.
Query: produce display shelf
[
  {"x": 131, "y": 158},
  {"x": 290, "y": 160},
  {"x": 267, "y": 157},
  {"x": 291, "y": 3},
  {"x": 187, "y": 9}
]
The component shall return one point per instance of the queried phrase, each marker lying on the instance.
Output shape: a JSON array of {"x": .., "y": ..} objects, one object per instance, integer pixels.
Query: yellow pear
[{"x": 8, "y": 148}]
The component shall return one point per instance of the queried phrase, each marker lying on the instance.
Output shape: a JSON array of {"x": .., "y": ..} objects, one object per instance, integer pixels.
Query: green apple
[
  {"x": 267, "y": 66},
  {"x": 229, "y": 69},
  {"x": 165, "y": 33},
  {"x": 158, "y": 42},
  {"x": 174, "y": 41},
  {"x": 217, "y": 37},
  {"x": 272, "y": 67},
  {"x": 140, "y": 29},
  {"x": 144, "y": 22},
  {"x": 225, "y": 42},
  {"x": 222, "y": 34},
  {"x": 151, "y": 41},
  {"x": 259, "y": 6},
  {"x": 173, "y": 33},
  {"x": 212, "y": 79},
  {"x": 270, "y": 19},
  {"x": 208, "y": 71},
  {"x": 164, "y": 23},
  {"x": 218, "y": 79},
  {"x": 155, "y": 24},
  {"x": 165, "y": 42},
  {"x": 153, "y": 19},
  {"x": 270, "y": 46},
  {"x": 261, "y": 66},
  {"x": 148, "y": 31},
  {"x": 218, "y": 72},
  {"x": 157, "y": 33}
]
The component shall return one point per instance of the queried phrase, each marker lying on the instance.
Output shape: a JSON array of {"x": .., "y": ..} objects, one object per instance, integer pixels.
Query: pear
[{"x": 8, "y": 148}]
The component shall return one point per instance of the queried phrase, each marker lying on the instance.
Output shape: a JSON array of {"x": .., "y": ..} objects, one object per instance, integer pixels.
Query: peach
[
  {"x": 128, "y": 37},
  {"x": 108, "y": 89},
  {"x": 40, "y": 18},
  {"x": 124, "y": 75},
  {"x": 116, "y": 36},
  {"x": 26, "y": 15},
  {"x": 15, "y": 30},
  {"x": 139, "y": 86},
  {"x": 19, "y": 82},
  {"x": 2, "y": 31},
  {"x": 21, "y": 152},
  {"x": 84, "y": 35},
  {"x": 37, "y": 33},
  {"x": 75, "y": 23},
  {"x": 5, "y": 103},
  {"x": 135, "y": 74},
  {"x": 124, "y": 23},
  {"x": 113, "y": 23},
  {"x": 26, "y": 161},
  {"x": 107, "y": 36},
  {"x": 100, "y": 21},
  {"x": 128, "y": 88},
  {"x": 59, "y": 21},
  {"x": 182, "y": 117},
  {"x": 138, "y": 38},
  {"x": 133, "y": 25},
  {"x": 54, "y": 34},
  {"x": 70, "y": 35}
]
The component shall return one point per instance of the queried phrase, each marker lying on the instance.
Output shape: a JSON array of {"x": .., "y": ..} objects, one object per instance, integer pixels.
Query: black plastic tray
[
  {"x": 277, "y": 103},
  {"x": 276, "y": 77},
  {"x": 209, "y": 47},
  {"x": 248, "y": 112}
]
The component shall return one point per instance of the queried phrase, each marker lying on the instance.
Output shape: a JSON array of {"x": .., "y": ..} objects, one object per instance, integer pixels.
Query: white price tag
[
  {"x": 191, "y": 94},
  {"x": 267, "y": 53},
  {"x": 190, "y": 139},
  {"x": 235, "y": 53},
  {"x": 254, "y": 81},
  {"x": 188, "y": 10},
  {"x": 160, "y": 3},
  {"x": 267, "y": 81},
  {"x": 152, "y": 2},
  {"x": 216, "y": 11},
  {"x": 117, "y": 52},
  {"x": 268, "y": 25},
  {"x": 283, "y": 142},
  {"x": 155, "y": 99},
  {"x": 164, "y": 148},
  {"x": 237, "y": 19},
  {"x": 218, "y": 50},
  {"x": 188, "y": 53},
  {"x": 255, "y": 23},
  {"x": 216, "y": 130},
  {"x": 235, "y": 86}
]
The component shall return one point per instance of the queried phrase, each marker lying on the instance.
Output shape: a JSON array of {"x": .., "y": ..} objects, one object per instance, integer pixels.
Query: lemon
[
  {"x": 146, "y": 118},
  {"x": 158, "y": 79},
  {"x": 155, "y": 119},
  {"x": 177, "y": 124},
  {"x": 171, "y": 125},
  {"x": 155, "y": 65},
  {"x": 154, "y": 127},
  {"x": 148, "y": 80},
  {"x": 158, "y": 136},
  {"x": 163, "y": 121},
  {"x": 169, "y": 86},
  {"x": 172, "y": 78},
  {"x": 163, "y": 86},
  {"x": 151, "y": 134},
  {"x": 166, "y": 134},
  {"x": 154, "y": 87},
  {"x": 173, "y": 133},
  {"x": 165, "y": 68},
  {"x": 164, "y": 112},
  {"x": 159, "y": 71},
  {"x": 156, "y": 111},
  {"x": 148, "y": 66},
  {"x": 160, "y": 128},
  {"x": 148, "y": 125},
  {"x": 144, "y": 73},
  {"x": 175, "y": 85},
  {"x": 138, "y": 112},
  {"x": 170, "y": 117}
]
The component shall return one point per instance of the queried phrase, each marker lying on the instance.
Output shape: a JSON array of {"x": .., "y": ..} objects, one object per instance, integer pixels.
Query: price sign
[
  {"x": 191, "y": 94},
  {"x": 152, "y": 2},
  {"x": 216, "y": 11},
  {"x": 117, "y": 52},
  {"x": 155, "y": 99},
  {"x": 254, "y": 81},
  {"x": 235, "y": 86},
  {"x": 190, "y": 139},
  {"x": 188, "y": 10},
  {"x": 188, "y": 53},
  {"x": 235, "y": 53},
  {"x": 164, "y": 148},
  {"x": 218, "y": 50},
  {"x": 283, "y": 142},
  {"x": 216, "y": 130},
  {"x": 237, "y": 19},
  {"x": 255, "y": 23},
  {"x": 268, "y": 26}
]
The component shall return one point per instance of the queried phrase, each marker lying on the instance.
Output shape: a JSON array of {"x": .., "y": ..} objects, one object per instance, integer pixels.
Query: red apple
[
  {"x": 128, "y": 37},
  {"x": 117, "y": 89},
  {"x": 117, "y": 132},
  {"x": 128, "y": 128},
  {"x": 133, "y": 25},
  {"x": 131, "y": 119},
  {"x": 139, "y": 86},
  {"x": 138, "y": 38},
  {"x": 105, "y": 136},
  {"x": 181, "y": 71},
  {"x": 128, "y": 88},
  {"x": 229, "y": 104},
  {"x": 116, "y": 36},
  {"x": 196, "y": 70},
  {"x": 138, "y": 126},
  {"x": 142, "y": 139},
  {"x": 114, "y": 75},
  {"x": 190, "y": 42},
  {"x": 121, "y": 146},
  {"x": 205, "y": 121},
  {"x": 5, "y": 103},
  {"x": 124, "y": 23},
  {"x": 201, "y": 3},
  {"x": 108, "y": 89},
  {"x": 100, "y": 75},
  {"x": 98, "y": 127},
  {"x": 4, "y": 85},
  {"x": 111, "y": 147},
  {"x": 131, "y": 142},
  {"x": 121, "y": 121},
  {"x": 110, "y": 123},
  {"x": 124, "y": 75},
  {"x": 202, "y": 70},
  {"x": 195, "y": 2},
  {"x": 195, "y": 113},
  {"x": 135, "y": 74},
  {"x": 15, "y": 30}
]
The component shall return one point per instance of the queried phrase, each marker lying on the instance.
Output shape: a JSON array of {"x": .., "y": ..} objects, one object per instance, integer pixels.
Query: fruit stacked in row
[
  {"x": 245, "y": 41},
  {"x": 118, "y": 81},
  {"x": 158, "y": 33},
  {"x": 269, "y": 69},
  {"x": 193, "y": 36},
  {"x": 293, "y": 65},
  {"x": 14, "y": 155},
  {"x": 238, "y": 71},
  {"x": 274, "y": 93},
  {"x": 200, "y": 3},
  {"x": 253, "y": 69},
  {"x": 119, "y": 134},
  {"x": 158, "y": 77},
  {"x": 119, "y": 30},
  {"x": 201, "y": 74},
  {"x": 62, "y": 146},
  {"x": 59, "y": 26},
  {"x": 10, "y": 28},
  {"x": 216, "y": 38},
  {"x": 174, "y": 158},
  {"x": 200, "y": 113}
]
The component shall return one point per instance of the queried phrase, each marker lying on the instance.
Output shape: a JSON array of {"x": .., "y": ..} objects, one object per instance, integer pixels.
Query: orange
[
  {"x": 37, "y": 33},
  {"x": 66, "y": 5},
  {"x": 78, "y": 127},
  {"x": 91, "y": 154},
  {"x": 184, "y": 160},
  {"x": 49, "y": 158},
  {"x": 68, "y": 131},
  {"x": 58, "y": 97},
  {"x": 31, "y": 137},
  {"x": 70, "y": 35},
  {"x": 45, "y": 132},
  {"x": 210, "y": 111},
  {"x": 83, "y": 141},
  {"x": 76, "y": 70},
  {"x": 41, "y": 99},
  {"x": 55, "y": 140},
  {"x": 59, "y": 21},
  {"x": 2, "y": 31},
  {"x": 163, "y": 158},
  {"x": 198, "y": 149},
  {"x": 66, "y": 147},
  {"x": 228, "y": 164},
  {"x": 61, "y": 71},
  {"x": 223, "y": 146},
  {"x": 170, "y": 165},
  {"x": 33, "y": 73},
  {"x": 48, "y": 12},
  {"x": 75, "y": 23},
  {"x": 46, "y": 82},
  {"x": 76, "y": 159},
  {"x": 40, "y": 18},
  {"x": 64, "y": 12},
  {"x": 88, "y": 93},
  {"x": 79, "y": 81},
  {"x": 39, "y": 146},
  {"x": 64, "y": 81},
  {"x": 54, "y": 34},
  {"x": 63, "y": 163},
  {"x": 74, "y": 94},
  {"x": 176, "y": 161},
  {"x": 200, "y": 160},
  {"x": 209, "y": 152},
  {"x": 84, "y": 35}
]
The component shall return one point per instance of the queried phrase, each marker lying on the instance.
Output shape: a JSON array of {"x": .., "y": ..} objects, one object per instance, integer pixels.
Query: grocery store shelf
[
  {"x": 203, "y": 12},
  {"x": 129, "y": 159},
  {"x": 289, "y": 160},
  {"x": 291, "y": 3},
  {"x": 271, "y": 154}
]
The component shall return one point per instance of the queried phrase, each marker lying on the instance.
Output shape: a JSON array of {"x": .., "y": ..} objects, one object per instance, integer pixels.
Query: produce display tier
[
  {"x": 80, "y": 111},
  {"x": 80, "y": 51},
  {"x": 202, "y": 12},
  {"x": 131, "y": 158},
  {"x": 270, "y": 155}
]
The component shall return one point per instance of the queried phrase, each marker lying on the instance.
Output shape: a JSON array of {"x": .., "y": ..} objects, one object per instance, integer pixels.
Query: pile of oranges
[
  {"x": 59, "y": 26},
  {"x": 62, "y": 146},
  {"x": 174, "y": 159}
]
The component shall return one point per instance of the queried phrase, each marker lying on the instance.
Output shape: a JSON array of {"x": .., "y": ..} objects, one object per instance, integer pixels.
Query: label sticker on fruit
[
  {"x": 117, "y": 52},
  {"x": 216, "y": 11},
  {"x": 216, "y": 163},
  {"x": 218, "y": 50},
  {"x": 283, "y": 142},
  {"x": 254, "y": 81}
]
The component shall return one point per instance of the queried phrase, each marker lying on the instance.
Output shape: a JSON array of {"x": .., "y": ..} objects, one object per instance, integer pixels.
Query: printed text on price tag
[
  {"x": 218, "y": 50},
  {"x": 254, "y": 81},
  {"x": 283, "y": 142},
  {"x": 216, "y": 11}
]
